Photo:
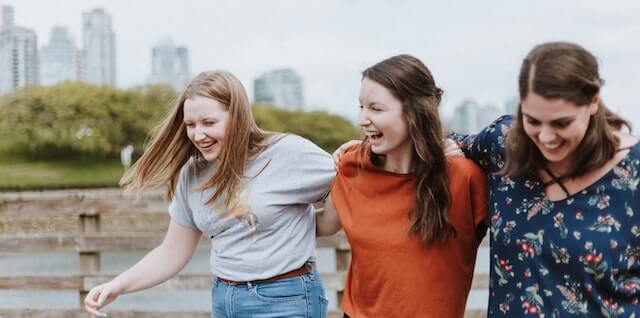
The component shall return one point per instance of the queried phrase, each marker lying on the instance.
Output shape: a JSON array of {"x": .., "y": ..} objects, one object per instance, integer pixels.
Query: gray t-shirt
[{"x": 269, "y": 227}]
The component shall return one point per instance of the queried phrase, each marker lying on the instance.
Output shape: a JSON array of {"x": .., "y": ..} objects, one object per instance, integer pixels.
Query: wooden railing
[{"x": 87, "y": 226}]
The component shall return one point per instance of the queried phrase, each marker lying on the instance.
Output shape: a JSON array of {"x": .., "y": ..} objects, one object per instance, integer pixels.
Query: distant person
[
  {"x": 564, "y": 176},
  {"x": 248, "y": 191},
  {"x": 414, "y": 218}
]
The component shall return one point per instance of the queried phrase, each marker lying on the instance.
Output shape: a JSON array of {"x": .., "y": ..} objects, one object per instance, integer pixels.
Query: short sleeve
[
  {"x": 487, "y": 148},
  {"x": 313, "y": 171},
  {"x": 179, "y": 209},
  {"x": 479, "y": 195}
]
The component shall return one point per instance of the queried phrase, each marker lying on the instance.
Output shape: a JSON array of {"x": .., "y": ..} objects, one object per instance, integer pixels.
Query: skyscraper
[
  {"x": 58, "y": 59},
  {"x": 18, "y": 54},
  {"x": 99, "y": 41},
  {"x": 469, "y": 117},
  {"x": 170, "y": 65},
  {"x": 6, "y": 16},
  {"x": 280, "y": 88}
]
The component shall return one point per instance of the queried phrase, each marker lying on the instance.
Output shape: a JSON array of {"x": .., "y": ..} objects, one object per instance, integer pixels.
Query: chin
[
  {"x": 210, "y": 157},
  {"x": 378, "y": 151}
]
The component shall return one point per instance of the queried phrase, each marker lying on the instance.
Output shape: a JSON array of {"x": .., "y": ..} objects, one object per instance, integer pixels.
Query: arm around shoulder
[{"x": 327, "y": 221}]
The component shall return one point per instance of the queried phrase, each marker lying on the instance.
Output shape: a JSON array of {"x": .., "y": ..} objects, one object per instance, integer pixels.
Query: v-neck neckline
[{"x": 591, "y": 185}]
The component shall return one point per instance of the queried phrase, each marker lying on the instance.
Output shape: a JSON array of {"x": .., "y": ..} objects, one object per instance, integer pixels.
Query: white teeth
[
  {"x": 208, "y": 145},
  {"x": 374, "y": 135},
  {"x": 552, "y": 146}
]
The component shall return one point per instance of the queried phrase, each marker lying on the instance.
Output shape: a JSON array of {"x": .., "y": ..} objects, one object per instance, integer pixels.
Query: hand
[
  {"x": 100, "y": 296},
  {"x": 340, "y": 151},
  {"x": 451, "y": 149}
]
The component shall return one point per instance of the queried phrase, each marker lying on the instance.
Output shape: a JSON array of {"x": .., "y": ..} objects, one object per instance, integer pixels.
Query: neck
[
  {"x": 558, "y": 168},
  {"x": 398, "y": 162}
]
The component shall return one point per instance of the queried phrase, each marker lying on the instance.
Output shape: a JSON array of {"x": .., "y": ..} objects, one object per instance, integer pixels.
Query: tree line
[{"x": 81, "y": 121}]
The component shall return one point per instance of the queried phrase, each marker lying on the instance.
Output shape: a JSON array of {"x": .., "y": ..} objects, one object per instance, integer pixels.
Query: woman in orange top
[{"x": 414, "y": 218}]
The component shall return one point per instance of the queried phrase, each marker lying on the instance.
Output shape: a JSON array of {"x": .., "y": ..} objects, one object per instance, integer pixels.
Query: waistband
[{"x": 306, "y": 268}]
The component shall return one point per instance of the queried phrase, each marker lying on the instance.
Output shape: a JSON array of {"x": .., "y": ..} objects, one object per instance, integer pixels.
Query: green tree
[
  {"x": 326, "y": 130},
  {"x": 74, "y": 120},
  {"x": 80, "y": 121}
]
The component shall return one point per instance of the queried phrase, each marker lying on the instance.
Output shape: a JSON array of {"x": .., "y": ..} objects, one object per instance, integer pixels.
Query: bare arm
[
  {"x": 327, "y": 221},
  {"x": 157, "y": 266}
]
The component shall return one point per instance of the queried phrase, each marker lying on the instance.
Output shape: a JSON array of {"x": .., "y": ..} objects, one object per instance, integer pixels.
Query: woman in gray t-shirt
[{"x": 249, "y": 191}]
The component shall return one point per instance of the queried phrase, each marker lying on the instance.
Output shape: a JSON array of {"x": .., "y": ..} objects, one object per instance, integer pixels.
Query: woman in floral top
[{"x": 563, "y": 177}]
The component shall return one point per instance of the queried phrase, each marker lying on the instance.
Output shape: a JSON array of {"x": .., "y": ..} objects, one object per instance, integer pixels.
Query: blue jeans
[{"x": 301, "y": 296}]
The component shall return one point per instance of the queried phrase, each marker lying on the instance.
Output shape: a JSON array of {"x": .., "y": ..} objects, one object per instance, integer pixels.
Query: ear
[{"x": 595, "y": 104}]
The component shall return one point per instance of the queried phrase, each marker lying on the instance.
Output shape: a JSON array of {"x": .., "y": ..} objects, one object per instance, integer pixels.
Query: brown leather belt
[{"x": 306, "y": 268}]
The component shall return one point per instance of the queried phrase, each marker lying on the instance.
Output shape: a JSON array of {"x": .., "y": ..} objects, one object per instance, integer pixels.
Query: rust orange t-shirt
[{"x": 392, "y": 273}]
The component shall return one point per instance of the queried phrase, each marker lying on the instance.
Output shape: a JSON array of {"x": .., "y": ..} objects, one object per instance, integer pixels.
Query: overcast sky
[{"x": 473, "y": 48}]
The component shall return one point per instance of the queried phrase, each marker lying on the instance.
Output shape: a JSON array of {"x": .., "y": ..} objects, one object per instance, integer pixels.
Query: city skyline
[{"x": 474, "y": 51}]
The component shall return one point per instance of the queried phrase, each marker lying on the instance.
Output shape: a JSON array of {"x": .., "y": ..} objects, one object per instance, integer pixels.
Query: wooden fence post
[{"x": 89, "y": 260}]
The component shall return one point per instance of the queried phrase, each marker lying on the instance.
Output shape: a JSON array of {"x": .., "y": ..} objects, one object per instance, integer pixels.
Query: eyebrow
[
  {"x": 372, "y": 103},
  {"x": 557, "y": 120}
]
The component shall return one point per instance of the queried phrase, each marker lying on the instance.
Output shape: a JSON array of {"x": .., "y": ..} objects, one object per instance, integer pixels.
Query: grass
[{"x": 19, "y": 174}]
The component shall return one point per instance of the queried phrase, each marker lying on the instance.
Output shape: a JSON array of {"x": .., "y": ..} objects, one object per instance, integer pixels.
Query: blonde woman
[{"x": 247, "y": 190}]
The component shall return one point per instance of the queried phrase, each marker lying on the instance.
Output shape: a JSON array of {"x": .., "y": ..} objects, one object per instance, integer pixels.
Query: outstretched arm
[{"x": 157, "y": 266}]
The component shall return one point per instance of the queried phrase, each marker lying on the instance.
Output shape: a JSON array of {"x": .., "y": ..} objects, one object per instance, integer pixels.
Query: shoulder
[
  {"x": 293, "y": 143},
  {"x": 194, "y": 169},
  {"x": 463, "y": 169}
]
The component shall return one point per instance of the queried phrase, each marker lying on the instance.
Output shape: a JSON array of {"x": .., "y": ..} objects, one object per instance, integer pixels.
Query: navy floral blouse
[{"x": 577, "y": 257}]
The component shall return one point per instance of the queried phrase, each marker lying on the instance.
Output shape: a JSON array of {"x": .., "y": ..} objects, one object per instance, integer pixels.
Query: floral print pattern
[{"x": 577, "y": 257}]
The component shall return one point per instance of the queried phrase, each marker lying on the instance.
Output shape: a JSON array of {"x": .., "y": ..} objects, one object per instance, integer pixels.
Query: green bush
[
  {"x": 77, "y": 121},
  {"x": 326, "y": 130},
  {"x": 82, "y": 121}
]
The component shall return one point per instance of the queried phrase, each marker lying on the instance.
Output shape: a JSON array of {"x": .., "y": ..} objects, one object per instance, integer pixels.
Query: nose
[
  {"x": 363, "y": 118},
  {"x": 547, "y": 134},
  {"x": 198, "y": 134}
]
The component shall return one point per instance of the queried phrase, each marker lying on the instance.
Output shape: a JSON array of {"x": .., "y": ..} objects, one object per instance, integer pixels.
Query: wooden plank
[
  {"x": 82, "y": 206},
  {"x": 45, "y": 195},
  {"x": 77, "y": 313},
  {"x": 50, "y": 282},
  {"x": 331, "y": 281},
  {"x": 111, "y": 242},
  {"x": 71, "y": 313}
]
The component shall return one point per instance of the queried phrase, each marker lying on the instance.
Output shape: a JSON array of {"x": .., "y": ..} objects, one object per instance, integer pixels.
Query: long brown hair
[
  {"x": 170, "y": 148},
  {"x": 411, "y": 82},
  {"x": 561, "y": 70}
]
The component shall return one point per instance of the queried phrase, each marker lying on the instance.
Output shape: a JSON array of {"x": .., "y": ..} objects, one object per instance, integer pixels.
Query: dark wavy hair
[
  {"x": 561, "y": 70},
  {"x": 411, "y": 82}
]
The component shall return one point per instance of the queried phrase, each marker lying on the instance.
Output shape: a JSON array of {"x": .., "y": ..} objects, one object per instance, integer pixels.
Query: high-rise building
[
  {"x": 58, "y": 59},
  {"x": 99, "y": 41},
  {"x": 469, "y": 117},
  {"x": 280, "y": 88},
  {"x": 6, "y": 16},
  {"x": 170, "y": 65},
  {"x": 18, "y": 54}
]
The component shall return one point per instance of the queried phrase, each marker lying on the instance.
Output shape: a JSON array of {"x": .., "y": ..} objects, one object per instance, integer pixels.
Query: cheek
[
  {"x": 530, "y": 130},
  {"x": 190, "y": 133}
]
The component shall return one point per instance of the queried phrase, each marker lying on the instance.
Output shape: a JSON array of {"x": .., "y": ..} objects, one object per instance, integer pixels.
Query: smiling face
[
  {"x": 556, "y": 126},
  {"x": 206, "y": 121},
  {"x": 383, "y": 120}
]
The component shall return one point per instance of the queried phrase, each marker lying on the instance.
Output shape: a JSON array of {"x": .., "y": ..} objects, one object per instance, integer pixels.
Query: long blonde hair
[{"x": 170, "y": 148}]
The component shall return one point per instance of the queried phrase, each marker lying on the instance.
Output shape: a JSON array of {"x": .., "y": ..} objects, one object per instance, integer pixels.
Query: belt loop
[{"x": 249, "y": 285}]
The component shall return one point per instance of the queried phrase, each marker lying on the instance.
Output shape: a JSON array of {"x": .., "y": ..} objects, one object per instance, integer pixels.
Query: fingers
[
  {"x": 340, "y": 151},
  {"x": 95, "y": 299},
  {"x": 452, "y": 149}
]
